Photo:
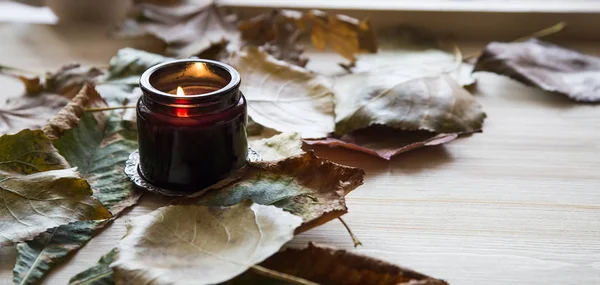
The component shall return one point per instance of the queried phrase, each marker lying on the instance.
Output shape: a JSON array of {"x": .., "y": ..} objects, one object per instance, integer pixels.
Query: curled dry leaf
[
  {"x": 39, "y": 191},
  {"x": 278, "y": 147},
  {"x": 98, "y": 144},
  {"x": 330, "y": 266},
  {"x": 278, "y": 32},
  {"x": 69, "y": 116},
  {"x": 199, "y": 244},
  {"x": 66, "y": 81},
  {"x": 385, "y": 142},
  {"x": 545, "y": 65},
  {"x": 434, "y": 104},
  {"x": 103, "y": 138},
  {"x": 32, "y": 83},
  {"x": 346, "y": 35},
  {"x": 99, "y": 274},
  {"x": 69, "y": 79},
  {"x": 189, "y": 28},
  {"x": 29, "y": 112},
  {"x": 284, "y": 97},
  {"x": 305, "y": 185}
]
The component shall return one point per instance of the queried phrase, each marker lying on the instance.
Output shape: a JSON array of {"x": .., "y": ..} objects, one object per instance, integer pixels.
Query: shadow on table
[{"x": 410, "y": 162}]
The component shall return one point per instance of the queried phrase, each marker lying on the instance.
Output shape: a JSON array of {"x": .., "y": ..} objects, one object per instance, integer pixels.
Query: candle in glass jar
[{"x": 191, "y": 124}]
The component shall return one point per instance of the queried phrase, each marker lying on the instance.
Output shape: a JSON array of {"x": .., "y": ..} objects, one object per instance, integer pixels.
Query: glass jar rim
[{"x": 161, "y": 96}]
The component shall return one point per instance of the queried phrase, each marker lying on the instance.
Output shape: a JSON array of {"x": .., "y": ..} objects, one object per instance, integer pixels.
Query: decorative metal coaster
[{"x": 132, "y": 170}]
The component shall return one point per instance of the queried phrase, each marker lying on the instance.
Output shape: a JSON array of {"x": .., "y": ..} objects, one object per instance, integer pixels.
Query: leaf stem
[
  {"x": 354, "y": 238},
  {"x": 544, "y": 32},
  {"x": 109, "y": 108},
  {"x": 539, "y": 34},
  {"x": 281, "y": 276},
  {"x": 12, "y": 68}
]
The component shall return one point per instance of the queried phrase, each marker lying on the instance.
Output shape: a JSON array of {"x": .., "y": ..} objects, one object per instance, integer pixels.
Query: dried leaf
[
  {"x": 28, "y": 112},
  {"x": 434, "y": 104},
  {"x": 32, "y": 83},
  {"x": 69, "y": 79},
  {"x": 66, "y": 81},
  {"x": 200, "y": 245},
  {"x": 546, "y": 66},
  {"x": 278, "y": 147},
  {"x": 278, "y": 32},
  {"x": 346, "y": 35},
  {"x": 99, "y": 274},
  {"x": 188, "y": 29},
  {"x": 35, "y": 258},
  {"x": 284, "y": 97},
  {"x": 39, "y": 191},
  {"x": 305, "y": 185},
  {"x": 128, "y": 64},
  {"x": 106, "y": 140},
  {"x": 124, "y": 71},
  {"x": 98, "y": 144},
  {"x": 330, "y": 266},
  {"x": 68, "y": 117},
  {"x": 385, "y": 142},
  {"x": 407, "y": 53}
]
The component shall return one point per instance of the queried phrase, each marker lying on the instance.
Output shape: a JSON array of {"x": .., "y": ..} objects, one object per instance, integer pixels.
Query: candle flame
[{"x": 180, "y": 91}]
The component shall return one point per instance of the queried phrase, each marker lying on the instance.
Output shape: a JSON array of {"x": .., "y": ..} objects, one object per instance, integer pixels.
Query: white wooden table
[{"x": 518, "y": 203}]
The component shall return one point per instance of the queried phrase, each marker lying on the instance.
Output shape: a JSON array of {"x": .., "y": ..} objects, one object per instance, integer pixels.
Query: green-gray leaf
[
  {"x": 98, "y": 144},
  {"x": 35, "y": 258},
  {"x": 128, "y": 65},
  {"x": 124, "y": 73},
  {"x": 99, "y": 274},
  {"x": 436, "y": 104},
  {"x": 37, "y": 189}
]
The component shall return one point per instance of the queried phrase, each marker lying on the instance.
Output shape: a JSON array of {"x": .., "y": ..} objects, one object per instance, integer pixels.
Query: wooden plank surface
[{"x": 519, "y": 203}]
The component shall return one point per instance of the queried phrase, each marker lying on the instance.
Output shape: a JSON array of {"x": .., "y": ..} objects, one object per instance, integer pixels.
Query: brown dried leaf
[
  {"x": 346, "y": 35},
  {"x": 545, "y": 65},
  {"x": 68, "y": 117},
  {"x": 278, "y": 33},
  {"x": 329, "y": 266},
  {"x": 66, "y": 81},
  {"x": 305, "y": 185},
  {"x": 434, "y": 104},
  {"x": 385, "y": 142},
  {"x": 189, "y": 28},
  {"x": 284, "y": 97},
  {"x": 29, "y": 112},
  {"x": 69, "y": 79},
  {"x": 32, "y": 83}
]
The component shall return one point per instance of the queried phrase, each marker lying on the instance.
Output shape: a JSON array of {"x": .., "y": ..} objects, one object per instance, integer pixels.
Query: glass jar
[{"x": 190, "y": 141}]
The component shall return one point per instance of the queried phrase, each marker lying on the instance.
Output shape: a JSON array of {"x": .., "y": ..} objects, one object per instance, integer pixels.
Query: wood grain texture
[{"x": 518, "y": 203}]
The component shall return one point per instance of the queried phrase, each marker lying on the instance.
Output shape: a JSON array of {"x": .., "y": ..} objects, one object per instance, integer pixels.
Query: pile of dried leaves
[{"x": 66, "y": 141}]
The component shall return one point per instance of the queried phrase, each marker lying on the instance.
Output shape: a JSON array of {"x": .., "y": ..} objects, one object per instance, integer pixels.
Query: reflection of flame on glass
[
  {"x": 199, "y": 69},
  {"x": 180, "y": 91}
]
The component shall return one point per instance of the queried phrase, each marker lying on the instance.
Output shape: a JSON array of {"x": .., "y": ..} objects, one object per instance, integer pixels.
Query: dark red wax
[{"x": 188, "y": 147}]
